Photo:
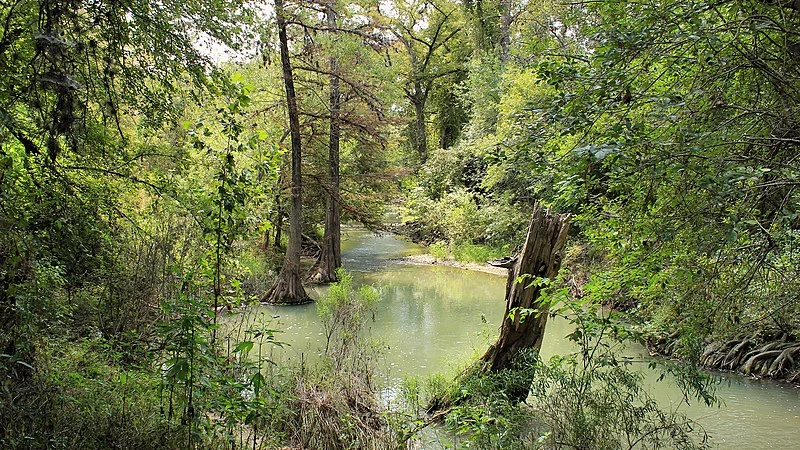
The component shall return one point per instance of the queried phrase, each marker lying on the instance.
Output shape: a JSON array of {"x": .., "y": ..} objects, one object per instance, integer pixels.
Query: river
[{"x": 434, "y": 318}]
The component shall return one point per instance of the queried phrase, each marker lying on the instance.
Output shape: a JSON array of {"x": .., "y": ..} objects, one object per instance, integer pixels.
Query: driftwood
[
  {"x": 309, "y": 247},
  {"x": 506, "y": 262}
]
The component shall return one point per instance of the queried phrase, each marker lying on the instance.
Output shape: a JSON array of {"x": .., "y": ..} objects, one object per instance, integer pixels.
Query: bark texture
[
  {"x": 505, "y": 29},
  {"x": 288, "y": 289},
  {"x": 330, "y": 257},
  {"x": 540, "y": 258}
]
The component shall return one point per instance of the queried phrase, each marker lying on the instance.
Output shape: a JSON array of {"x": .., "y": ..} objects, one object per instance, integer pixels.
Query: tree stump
[{"x": 540, "y": 258}]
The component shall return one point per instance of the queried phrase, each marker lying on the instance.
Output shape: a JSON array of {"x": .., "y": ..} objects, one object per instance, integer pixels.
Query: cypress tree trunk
[
  {"x": 540, "y": 258},
  {"x": 330, "y": 257},
  {"x": 288, "y": 288}
]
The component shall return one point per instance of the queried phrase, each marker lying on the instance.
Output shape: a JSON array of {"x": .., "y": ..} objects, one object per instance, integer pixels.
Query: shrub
[
  {"x": 78, "y": 398},
  {"x": 439, "y": 250}
]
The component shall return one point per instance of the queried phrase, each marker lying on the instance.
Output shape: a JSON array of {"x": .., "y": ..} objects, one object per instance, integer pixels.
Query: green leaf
[
  {"x": 179, "y": 370},
  {"x": 24, "y": 364},
  {"x": 244, "y": 347}
]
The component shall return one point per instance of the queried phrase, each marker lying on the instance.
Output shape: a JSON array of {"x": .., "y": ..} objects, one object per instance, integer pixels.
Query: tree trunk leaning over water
[
  {"x": 330, "y": 257},
  {"x": 540, "y": 258},
  {"x": 288, "y": 288}
]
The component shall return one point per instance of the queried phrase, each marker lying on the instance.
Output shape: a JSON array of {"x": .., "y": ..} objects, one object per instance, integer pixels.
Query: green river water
[{"x": 433, "y": 318}]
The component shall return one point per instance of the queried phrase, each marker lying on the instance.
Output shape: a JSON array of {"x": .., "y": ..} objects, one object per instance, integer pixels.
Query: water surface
[{"x": 434, "y": 318}]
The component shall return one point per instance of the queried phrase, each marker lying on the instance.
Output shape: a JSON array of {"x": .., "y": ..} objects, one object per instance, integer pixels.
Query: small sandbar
[{"x": 429, "y": 260}]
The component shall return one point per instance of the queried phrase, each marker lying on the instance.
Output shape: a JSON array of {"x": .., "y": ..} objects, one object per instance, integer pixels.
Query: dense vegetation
[{"x": 146, "y": 181}]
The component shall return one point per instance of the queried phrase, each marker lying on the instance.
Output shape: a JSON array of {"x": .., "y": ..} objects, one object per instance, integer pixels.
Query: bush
[
  {"x": 334, "y": 404},
  {"x": 439, "y": 250},
  {"x": 477, "y": 253},
  {"x": 462, "y": 217},
  {"x": 77, "y": 398},
  {"x": 343, "y": 312}
]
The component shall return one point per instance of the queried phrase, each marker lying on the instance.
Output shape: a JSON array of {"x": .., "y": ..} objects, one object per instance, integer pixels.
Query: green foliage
[
  {"x": 485, "y": 417},
  {"x": 79, "y": 397},
  {"x": 594, "y": 398},
  {"x": 665, "y": 130},
  {"x": 73, "y": 63},
  {"x": 344, "y": 312},
  {"x": 439, "y": 250},
  {"x": 477, "y": 253},
  {"x": 224, "y": 397},
  {"x": 687, "y": 197},
  {"x": 462, "y": 218},
  {"x": 135, "y": 177}
]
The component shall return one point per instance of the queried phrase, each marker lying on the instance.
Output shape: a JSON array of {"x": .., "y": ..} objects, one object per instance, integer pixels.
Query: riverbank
[
  {"x": 427, "y": 259},
  {"x": 764, "y": 356}
]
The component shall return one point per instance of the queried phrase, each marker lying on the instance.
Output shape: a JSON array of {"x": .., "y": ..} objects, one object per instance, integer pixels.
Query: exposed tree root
[
  {"x": 784, "y": 362},
  {"x": 778, "y": 358},
  {"x": 734, "y": 355},
  {"x": 287, "y": 290},
  {"x": 754, "y": 365},
  {"x": 309, "y": 247}
]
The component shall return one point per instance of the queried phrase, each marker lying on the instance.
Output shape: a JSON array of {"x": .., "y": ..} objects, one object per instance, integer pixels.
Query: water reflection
[{"x": 432, "y": 319}]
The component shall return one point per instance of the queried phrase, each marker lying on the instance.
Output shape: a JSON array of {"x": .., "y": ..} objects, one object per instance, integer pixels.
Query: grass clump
[
  {"x": 478, "y": 253},
  {"x": 334, "y": 403}
]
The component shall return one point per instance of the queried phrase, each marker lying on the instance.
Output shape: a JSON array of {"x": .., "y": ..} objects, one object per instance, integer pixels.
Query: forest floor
[{"x": 430, "y": 260}]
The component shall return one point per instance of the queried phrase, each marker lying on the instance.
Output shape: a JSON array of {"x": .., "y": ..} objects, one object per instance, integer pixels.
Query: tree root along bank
[{"x": 776, "y": 358}]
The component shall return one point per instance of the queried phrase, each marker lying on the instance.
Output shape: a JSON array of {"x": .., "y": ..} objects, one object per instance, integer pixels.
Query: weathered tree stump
[{"x": 540, "y": 258}]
